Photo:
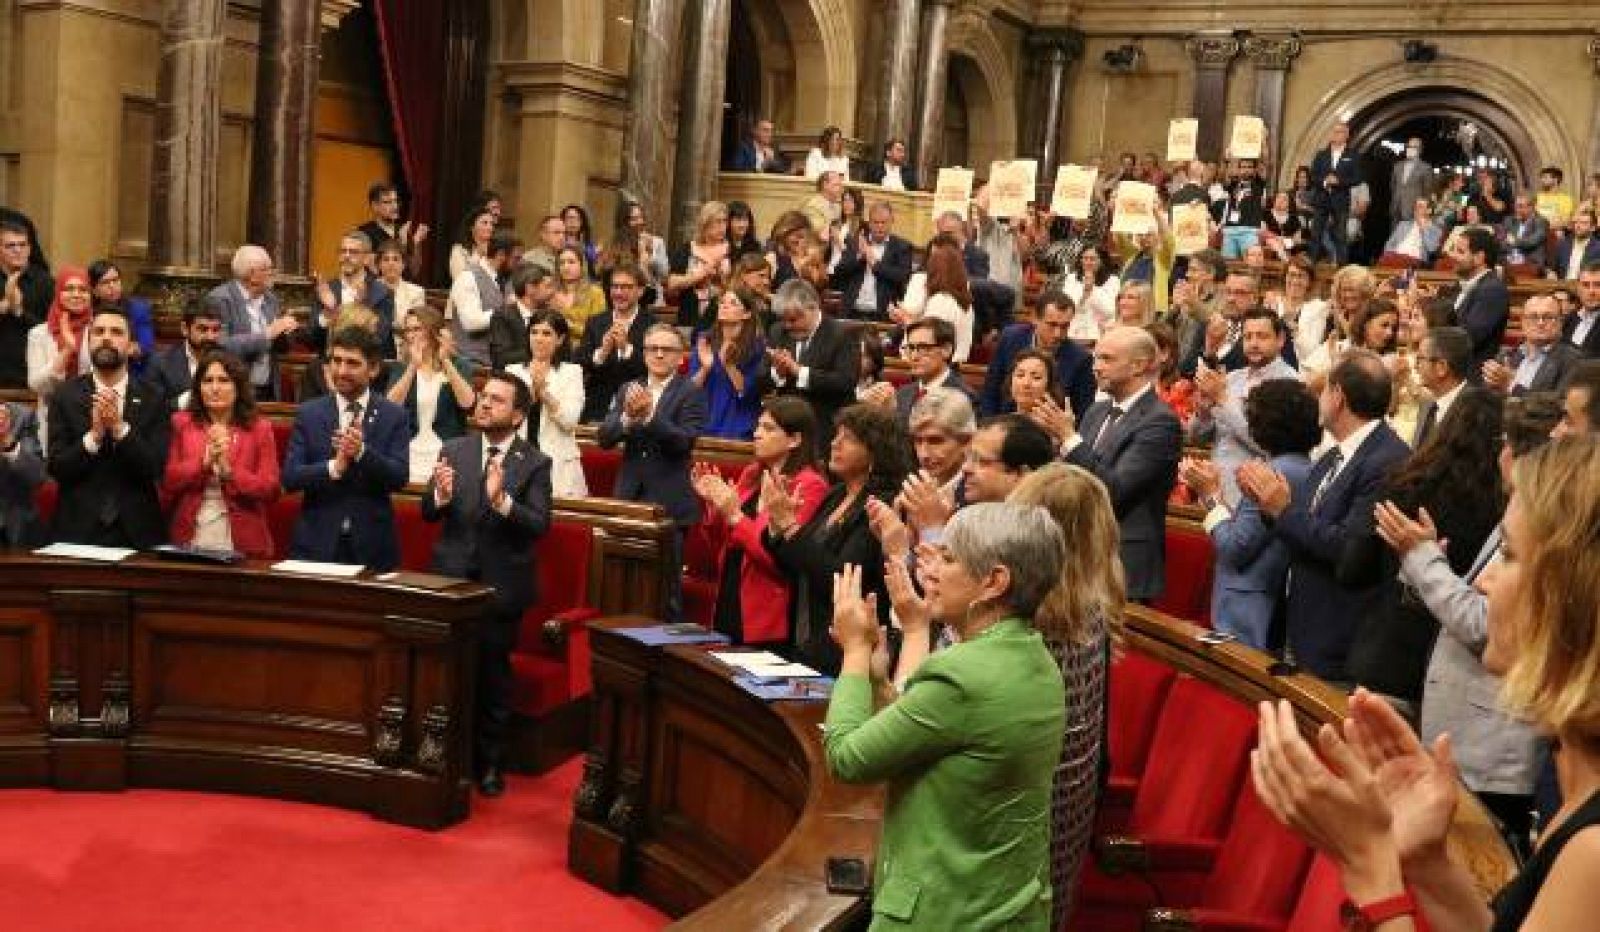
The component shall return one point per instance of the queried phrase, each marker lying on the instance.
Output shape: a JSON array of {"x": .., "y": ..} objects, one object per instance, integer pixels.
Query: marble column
[
  {"x": 705, "y": 64},
  {"x": 1272, "y": 56},
  {"x": 1052, "y": 53},
  {"x": 897, "y": 83},
  {"x": 1212, "y": 53},
  {"x": 286, "y": 99},
  {"x": 1594, "y": 123},
  {"x": 652, "y": 97},
  {"x": 932, "y": 75}
]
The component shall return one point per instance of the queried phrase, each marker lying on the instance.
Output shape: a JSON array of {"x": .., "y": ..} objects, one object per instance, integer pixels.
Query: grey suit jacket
[
  {"x": 1552, "y": 375},
  {"x": 1496, "y": 752},
  {"x": 238, "y": 336},
  {"x": 21, "y": 474},
  {"x": 1224, "y": 424},
  {"x": 1405, "y": 189}
]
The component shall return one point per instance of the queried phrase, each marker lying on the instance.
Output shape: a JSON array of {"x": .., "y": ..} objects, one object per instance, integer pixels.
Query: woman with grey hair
[{"x": 969, "y": 746}]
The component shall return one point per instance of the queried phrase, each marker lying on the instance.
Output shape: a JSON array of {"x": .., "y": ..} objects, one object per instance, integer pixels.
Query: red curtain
[{"x": 413, "y": 43}]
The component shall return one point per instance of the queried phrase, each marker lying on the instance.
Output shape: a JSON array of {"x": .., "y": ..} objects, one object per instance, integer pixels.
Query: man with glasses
[
  {"x": 25, "y": 294},
  {"x": 1444, "y": 357},
  {"x": 657, "y": 420},
  {"x": 612, "y": 350},
  {"x": 1543, "y": 362},
  {"x": 811, "y": 355},
  {"x": 356, "y": 285},
  {"x": 255, "y": 325},
  {"x": 1582, "y": 328},
  {"x": 929, "y": 344},
  {"x": 383, "y": 201}
]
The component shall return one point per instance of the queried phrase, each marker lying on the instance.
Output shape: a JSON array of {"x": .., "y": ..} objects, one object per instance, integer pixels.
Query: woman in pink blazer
[
  {"x": 753, "y": 595},
  {"x": 222, "y": 465}
]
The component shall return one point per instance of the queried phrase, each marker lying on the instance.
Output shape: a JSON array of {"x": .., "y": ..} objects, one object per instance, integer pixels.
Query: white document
[
  {"x": 785, "y": 670},
  {"x": 86, "y": 552},
  {"x": 311, "y": 568},
  {"x": 751, "y": 660}
]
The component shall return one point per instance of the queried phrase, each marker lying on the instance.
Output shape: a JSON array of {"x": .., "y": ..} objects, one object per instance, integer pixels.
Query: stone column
[
  {"x": 705, "y": 65},
  {"x": 1212, "y": 53},
  {"x": 1052, "y": 54},
  {"x": 651, "y": 96},
  {"x": 286, "y": 99},
  {"x": 897, "y": 84},
  {"x": 1272, "y": 56},
  {"x": 932, "y": 76},
  {"x": 1594, "y": 123}
]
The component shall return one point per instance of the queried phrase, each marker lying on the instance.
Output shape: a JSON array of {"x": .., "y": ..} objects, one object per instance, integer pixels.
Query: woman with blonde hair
[
  {"x": 791, "y": 239},
  {"x": 1135, "y": 307},
  {"x": 434, "y": 384},
  {"x": 577, "y": 297},
  {"x": 699, "y": 268}
]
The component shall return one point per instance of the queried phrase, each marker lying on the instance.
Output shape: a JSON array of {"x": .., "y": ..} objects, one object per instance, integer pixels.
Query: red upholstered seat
[
  {"x": 1190, "y": 568},
  {"x": 551, "y": 660},
  {"x": 1138, "y": 690},
  {"x": 44, "y": 501},
  {"x": 600, "y": 469},
  {"x": 281, "y": 429}
]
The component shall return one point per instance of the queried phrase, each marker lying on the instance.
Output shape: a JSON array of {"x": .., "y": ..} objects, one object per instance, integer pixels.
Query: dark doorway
[{"x": 742, "y": 90}]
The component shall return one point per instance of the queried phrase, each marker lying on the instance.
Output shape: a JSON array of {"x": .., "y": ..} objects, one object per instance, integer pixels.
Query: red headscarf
[{"x": 74, "y": 324}]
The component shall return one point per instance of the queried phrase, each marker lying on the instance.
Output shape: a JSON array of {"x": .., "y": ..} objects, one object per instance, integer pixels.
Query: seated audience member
[
  {"x": 1281, "y": 229},
  {"x": 1319, "y": 520},
  {"x": 812, "y": 355},
  {"x": 348, "y": 455},
  {"x": 941, "y": 291},
  {"x": 26, "y": 290},
  {"x": 1542, "y": 363},
  {"x": 1305, "y": 316},
  {"x": 1093, "y": 287},
  {"x": 475, "y": 295},
  {"x": 870, "y": 384},
  {"x": 824, "y": 210},
  {"x": 1523, "y": 240},
  {"x": 1195, "y": 300},
  {"x": 757, "y": 153},
  {"x": 1382, "y": 805},
  {"x": 1251, "y": 566},
  {"x": 753, "y": 276},
  {"x": 700, "y": 268},
  {"x": 1135, "y": 308},
  {"x": 434, "y": 385},
  {"x": 791, "y": 236},
  {"x": 532, "y": 288},
  {"x": 1496, "y": 752},
  {"x": 556, "y": 386},
  {"x": 656, "y": 421},
  {"x": 390, "y": 260},
  {"x": 1006, "y": 448},
  {"x": 255, "y": 326},
  {"x": 1579, "y": 412},
  {"x": 1578, "y": 250},
  {"x": 111, "y": 446},
  {"x": 974, "y": 739},
  {"x": 1074, "y": 370},
  {"x": 1483, "y": 305},
  {"x": 1032, "y": 382},
  {"x": 727, "y": 366},
  {"x": 928, "y": 346},
  {"x": 1443, "y": 359},
  {"x": 1415, "y": 241},
  {"x": 355, "y": 285},
  {"x": 385, "y": 226},
  {"x": 974, "y": 260},
  {"x": 105, "y": 281},
  {"x": 872, "y": 272},
  {"x": 552, "y": 236},
  {"x": 222, "y": 468},
  {"x": 58, "y": 349},
  {"x": 172, "y": 369},
  {"x": 1177, "y": 392},
  {"x": 1220, "y": 397},
  {"x": 1132, "y": 442},
  {"x": 477, "y": 228},
  {"x": 492, "y": 491},
  {"x": 1581, "y": 329},
  {"x": 827, "y": 155},
  {"x": 314, "y": 380},
  {"x": 612, "y": 350},
  {"x": 893, "y": 172},
  {"x": 580, "y": 235},
  {"x": 22, "y": 471},
  {"x": 752, "y": 592},
  {"x": 867, "y": 459}
]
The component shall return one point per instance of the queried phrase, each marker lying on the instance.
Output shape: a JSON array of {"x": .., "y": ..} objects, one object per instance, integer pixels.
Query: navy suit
[
  {"x": 1138, "y": 462},
  {"x": 21, "y": 474},
  {"x": 889, "y": 277},
  {"x": 355, "y": 506},
  {"x": 169, "y": 373},
  {"x": 1484, "y": 313},
  {"x": 1333, "y": 204},
  {"x": 1563, "y": 254},
  {"x": 873, "y": 174},
  {"x": 1251, "y": 565},
  {"x": 906, "y": 396},
  {"x": 1074, "y": 371},
  {"x": 1323, "y": 609},
  {"x": 378, "y": 297}
]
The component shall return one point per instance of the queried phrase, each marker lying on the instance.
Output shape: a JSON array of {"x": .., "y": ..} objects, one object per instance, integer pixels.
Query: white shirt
[
  {"x": 503, "y": 506},
  {"x": 626, "y": 350},
  {"x": 1443, "y": 402},
  {"x": 891, "y": 178},
  {"x": 464, "y": 297},
  {"x": 1586, "y": 319},
  {"x": 346, "y": 412},
  {"x": 1575, "y": 261},
  {"x": 817, "y": 163},
  {"x": 1348, "y": 447},
  {"x": 655, "y": 389},
  {"x": 1467, "y": 286},
  {"x": 91, "y": 440}
]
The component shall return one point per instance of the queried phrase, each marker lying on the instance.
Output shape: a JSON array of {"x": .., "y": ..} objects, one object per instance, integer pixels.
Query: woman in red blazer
[
  {"x": 222, "y": 466},
  {"x": 753, "y": 595}
]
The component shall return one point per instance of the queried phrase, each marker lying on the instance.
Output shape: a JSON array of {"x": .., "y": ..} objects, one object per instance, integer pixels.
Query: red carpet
[{"x": 174, "y": 862}]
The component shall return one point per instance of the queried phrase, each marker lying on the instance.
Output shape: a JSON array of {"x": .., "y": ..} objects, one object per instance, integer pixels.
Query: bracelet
[{"x": 1370, "y": 916}]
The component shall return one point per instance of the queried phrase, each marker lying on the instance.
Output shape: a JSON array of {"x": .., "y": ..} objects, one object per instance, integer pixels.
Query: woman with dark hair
[
  {"x": 222, "y": 463},
  {"x": 634, "y": 243},
  {"x": 941, "y": 290},
  {"x": 1093, "y": 288},
  {"x": 1281, "y": 229},
  {"x": 753, "y": 595},
  {"x": 727, "y": 367},
  {"x": 742, "y": 238},
  {"x": 477, "y": 228},
  {"x": 1303, "y": 197},
  {"x": 105, "y": 280},
  {"x": 434, "y": 384},
  {"x": 558, "y": 396},
  {"x": 852, "y": 220},
  {"x": 1033, "y": 379},
  {"x": 580, "y": 235},
  {"x": 1375, "y": 327},
  {"x": 827, "y": 155},
  {"x": 869, "y": 458},
  {"x": 1171, "y": 387},
  {"x": 871, "y": 370}
]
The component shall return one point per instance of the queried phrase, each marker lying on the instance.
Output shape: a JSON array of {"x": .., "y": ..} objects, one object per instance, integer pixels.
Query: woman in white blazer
[{"x": 557, "y": 387}]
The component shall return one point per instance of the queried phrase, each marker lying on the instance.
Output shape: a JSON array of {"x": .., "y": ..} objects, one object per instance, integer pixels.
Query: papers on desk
[
  {"x": 786, "y": 689},
  {"x": 662, "y": 635},
  {"x": 312, "y": 568},
  {"x": 763, "y": 664},
  {"x": 86, "y": 552}
]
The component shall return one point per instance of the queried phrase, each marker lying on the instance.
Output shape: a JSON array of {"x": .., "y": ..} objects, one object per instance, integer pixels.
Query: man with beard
[
  {"x": 172, "y": 370},
  {"x": 111, "y": 446},
  {"x": 356, "y": 285},
  {"x": 1219, "y": 415}
]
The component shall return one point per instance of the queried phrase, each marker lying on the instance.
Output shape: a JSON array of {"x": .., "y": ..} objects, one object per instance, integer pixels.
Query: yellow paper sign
[
  {"x": 1181, "y": 136},
  {"x": 1133, "y": 210},
  {"x": 953, "y": 192},
  {"x": 1074, "y": 191},
  {"x": 1248, "y": 137},
  {"x": 1191, "y": 228},
  {"x": 1012, "y": 185}
]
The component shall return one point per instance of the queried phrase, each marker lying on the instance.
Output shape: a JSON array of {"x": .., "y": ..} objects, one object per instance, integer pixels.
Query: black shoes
[{"x": 492, "y": 783}]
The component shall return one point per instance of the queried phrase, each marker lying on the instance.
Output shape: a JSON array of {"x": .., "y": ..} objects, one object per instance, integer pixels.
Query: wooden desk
[
  {"x": 695, "y": 791},
  {"x": 352, "y": 693}
]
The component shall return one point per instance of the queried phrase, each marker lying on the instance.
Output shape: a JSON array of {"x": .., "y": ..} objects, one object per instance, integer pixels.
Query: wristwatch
[{"x": 1371, "y": 916}]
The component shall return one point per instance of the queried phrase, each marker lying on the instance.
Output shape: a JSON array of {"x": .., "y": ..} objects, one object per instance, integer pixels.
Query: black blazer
[
  {"x": 889, "y": 278},
  {"x": 874, "y": 172},
  {"x": 1139, "y": 465},
  {"x": 1484, "y": 313},
  {"x": 1590, "y": 348},
  {"x": 1348, "y": 170},
  {"x": 20, "y": 476},
  {"x": 905, "y": 397},
  {"x": 109, "y": 497},
  {"x": 656, "y": 452},
  {"x": 1323, "y": 611},
  {"x": 508, "y": 337},
  {"x": 169, "y": 374},
  {"x": 602, "y": 380},
  {"x": 834, "y": 357},
  {"x": 478, "y": 542}
]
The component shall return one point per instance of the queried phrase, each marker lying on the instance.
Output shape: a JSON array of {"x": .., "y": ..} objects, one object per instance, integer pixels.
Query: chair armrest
[
  {"x": 558, "y": 628},
  {"x": 1205, "y": 920},
  {"x": 1123, "y": 854}
]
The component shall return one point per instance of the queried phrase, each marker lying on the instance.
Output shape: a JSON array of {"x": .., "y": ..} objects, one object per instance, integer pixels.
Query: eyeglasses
[
  {"x": 915, "y": 349},
  {"x": 1541, "y": 318},
  {"x": 663, "y": 350}
]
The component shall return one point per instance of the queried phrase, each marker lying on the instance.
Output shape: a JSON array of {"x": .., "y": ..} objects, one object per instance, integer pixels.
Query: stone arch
[
  {"x": 807, "y": 50},
  {"x": 1523, "y": 111},
  {"x": 991, "y": 102}
]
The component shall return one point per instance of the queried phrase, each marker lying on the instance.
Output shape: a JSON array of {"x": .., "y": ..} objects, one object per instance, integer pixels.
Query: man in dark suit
[
  {"x": 873, "y": 271},
  {"x": 1133, "y": 443},
  {"x": 1582, "y": 329},
  {"x": 172, "y": 369},
  {"x": 26, "y": 289},
  {"x": 929, "y": 344},
  {"x": 1577, "y": 249},
  {"x": 1543, "y": 362},
  {"x": 492, "y": 490},
  {"x": 612, "y": 351},
  {"x": 757, "y": 154},
  {"x": 108, "y": 446},
  {"x": 383, "y": 201},
  {"x": 1334, "y": 171},
  {"x": 356, "y": 284},
  {"x": 811, "y": 355},
  {"x": 657, "y": 421},
  {"x": 348, "y": 453},
  {"x": 893, "y": 172},
  {"x": 532, "y": 287},
  {"x": 254, "y": 323},
  {"x": 1320, "y": 520},
  {"x": 21, "y": 473},
  {"x": 1525, "y": 235},
  {"x": 1483, "y": 304},
  {"x": 1443, "y": 361},
  {"x": 1047, "y": 333}
]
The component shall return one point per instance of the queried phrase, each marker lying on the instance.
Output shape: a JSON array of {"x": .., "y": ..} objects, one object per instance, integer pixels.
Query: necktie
[
  {"x": 493, "y": 457},
  {"x": 354, "y": 410},
  {"x": 1112, "y": 417},
  {"x": 1426, "y": 427},
  {"x": 800, "y": 349},
  {"x": 1334, "y": 458}
]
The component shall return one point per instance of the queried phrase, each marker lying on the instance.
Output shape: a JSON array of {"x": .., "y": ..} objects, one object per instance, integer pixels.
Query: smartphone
[
  {"x": 849, "y": 876},
  {"x": 1214, "y": 638}
]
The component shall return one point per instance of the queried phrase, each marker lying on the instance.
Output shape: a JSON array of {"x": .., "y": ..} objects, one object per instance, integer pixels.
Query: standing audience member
[
  {"x": 656, "y": 421},
  {"x": 552, "y": 236},
  {"x": 576, "y": 294},
  {"x": 872, "y": 273},
  {"x": 385, "y": 226},
  {"x": 391, "y": 264},
  {"x": 1052, "y": 320},
  {"x": 727, "y": 366},
  {"x": 58, "y": 349},
  {"x": 1542, "y": 363},
  {"x": 172, "y": 370},
  {"x": 1483, "y": 305},
  {"x": 700, "y": 268},
  {"x": 222, "y": 468},
  {"x": 434, "y": 385},
  {"x": 1305, "y": 316},
  {"x": 812, "y": 355},
  {"x": 356, "y": 285},
  {"x": 1093, "y": 288},
  {"x": 110, "y": 448},
  {"x": 1175, "y": 391},
  {"x": 25, "y": 294},
  {"x": 1443, "y": 361},
  {"x": 476, "y": 294},
  {"x": 1006, "y": 448},
  {"x": 612, "y": 350},
  {"x": 1410, "y": 180},
  {"x": 556, "y": 386},
  {"x": 941, "y": 425},
  {"x": 477, "y": 229},
  {"x": 105, "y": 280},
  {"x": 492, "y": 491},
  {"x": 254, "y": 323},
  {"x": 580, "y": 236},
  {"x": 1220, "y": 397},
  {"x": 928, "y": 347},
  {"x": 1335, "y": 169},
  {"x": 941, "y": 291},
  {"x": 998, "y": 238},
  {"x": 22, "y": 471},
  {"x": 532, "y": 288}
]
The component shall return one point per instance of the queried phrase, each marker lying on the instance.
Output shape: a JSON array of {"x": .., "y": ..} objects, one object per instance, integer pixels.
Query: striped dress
[{"x": 1075, "y": 796}]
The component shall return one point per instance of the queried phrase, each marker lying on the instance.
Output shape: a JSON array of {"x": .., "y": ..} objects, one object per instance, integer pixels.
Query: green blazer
[{"x": 968, "y": 750}]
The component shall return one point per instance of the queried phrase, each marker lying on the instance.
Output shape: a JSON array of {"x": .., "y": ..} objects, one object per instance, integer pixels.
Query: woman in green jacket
[{"x": 969, "y": 747}]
